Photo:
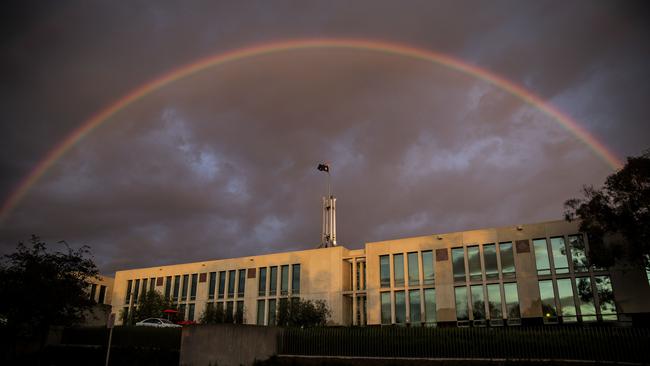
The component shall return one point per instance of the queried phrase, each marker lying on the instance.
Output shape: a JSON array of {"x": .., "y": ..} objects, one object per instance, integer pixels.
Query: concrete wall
[{"x": 227, "y": 345}]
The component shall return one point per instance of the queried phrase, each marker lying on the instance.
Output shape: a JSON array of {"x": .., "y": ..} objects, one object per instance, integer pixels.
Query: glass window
[
  {"x": 414, "y": 305},
  {"x": 541, "y": 257},
  {"x": 260, "y": 312},
  {"x": 190, "y": 312},
  {"x": 295, "y": 279},
  {"x": 284, "y": 280},
  {"x": 222, "y": 284},
  {"x": 567, "y": 302},
  {"x": 490, "y": 259},
  {"x": 363, "y": 273},
  {"x": 507, "y": 260},
  {"x": 102, "y": 294},
  {"x": 414, "y": 269},
  {"x": 357, "y": 277},
  {"x": 229, "y": 312},
  {"x": 231, "y": 283},
  {"x": 385, "y": 308},
  {"x": 193, "y": 286},
  {"x": 152, "y": 284},
  {"x": 177, "y": 286},
  {"x": 578, "y": 254},
  {"x": 462, "y": 312},
  {"x": 494, "y": 301},
  {"x": 400, "y": 307},
  {"x": 560, "y": 259},
  {"x": 168, "y": 286},
  {"x": 261, "y": 285},
  {"x": 273, "y": 286},
  {"x": 384, "y": 271},
  {"x": 398, "y": 269},
  {"x": 220, "y": 312},
  {"x": 181, "y": 311},
  {"x": 430, "y": 305},
  {"x": 474, "y": 263},
  {"x": 606, "y": 297},
  {"x": 129, "y": 287},
  {"x": 241, "y": 285},
  {"x": 125, "y": 315},
  {"x": 547, "y": 296},
  {"x": 478, "y": 302},
  {"x": 186, "y": 279},
  {"x": 458, "y": 259},
  {"x": 239, "y": 313},
  {"x": 586, "y": 299},
  {"x": 93, "y": 291},
  {"x": 271, "y": 315},
  {"x": 211, "y": 285},
  {"x": 136, "y": 291},
  {"x": 512, "y": 300},
  {"x": 427, "y": 267},
  {"x": 144, "y": 286}
]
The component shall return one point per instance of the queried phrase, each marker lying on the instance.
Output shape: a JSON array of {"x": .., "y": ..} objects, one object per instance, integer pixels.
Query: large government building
[{"x": 524, "y": 274}]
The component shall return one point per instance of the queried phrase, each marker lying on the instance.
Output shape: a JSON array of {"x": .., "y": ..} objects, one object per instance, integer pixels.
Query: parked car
[{"x": 157, "y": 322}]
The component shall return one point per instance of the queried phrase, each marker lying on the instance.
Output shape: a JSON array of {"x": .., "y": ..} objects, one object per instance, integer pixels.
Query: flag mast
[{"x": 328, "y": 232}]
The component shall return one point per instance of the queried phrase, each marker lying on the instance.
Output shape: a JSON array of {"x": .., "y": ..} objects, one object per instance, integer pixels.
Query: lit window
[
  {"x": 490, "y": 259},
  {"x": 458, "y": 264},
  {"x": 541, "y": 257},
  {"x": 547, "y": 296}
]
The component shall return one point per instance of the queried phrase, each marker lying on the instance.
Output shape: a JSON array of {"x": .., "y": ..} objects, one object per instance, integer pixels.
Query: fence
[{"x": 569, "y": 343}]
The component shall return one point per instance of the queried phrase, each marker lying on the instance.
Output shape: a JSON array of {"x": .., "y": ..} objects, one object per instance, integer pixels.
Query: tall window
[
  {"x": 512, "y": 300},
  {"x": 231, "y": 283},
  {"x": 398, "y": 269},
  {"x": 136, "y": 291},
  {"x": 427, "y": 267},
  {"x": 93, "y": 291},
  {"x": 102, "y": 294},
  {"x": 578, "y": 254},
  {"x": 177, "y": 286},
  {"x": 295, "y": 279},
  {"x": 129, "y": 287},
  {"x": 560, "y": 260},
  {"x": 193, "y": 286},
  {"x": 357, "y": 277},
  {"x": 186, "y": 280},
  {"x": 284, "y": 280},
  {"x": 168, "y": 287},
  {"x": 260, "y": 312},
  {"x": 261, "y": 286},
  {"x": 400, "y": 307},
  {"x": 586, "y": 299},
  {"x": 478, "y": 302},
  {"x": 385, "y": 308},
  {"x": 211, "y": 285},
  {"x": 606, "y": 297},
  {"x": 152, "y": 284},
  {"x": 490, "y": 259},
  {"x": 507, "y": 260},
  {"x": 462, "y": 311},
  {"x": 494, "y": 301},
  {"x": 414, "y": 305},
  {"x": 541, "y": 257},
  {"x": 430, "y": 305},
  {"x": 271, "y": 316},
  {"x": 273, "y": 285},
  {"x": 241, "y": 285},
  {"x": 190, "y": 312},
  {"x": 414, "y": 269},
  {"x": 222, "y": 284},
  {"x": 229, "y": 312},
  {"x": 458, "y": 259},
  {"x": 547, "y": 295},
  {"x": 144, "y": 286},
  {"x": 239, "y": 312},
  {"x": 567, "y": 301},
  {"x": 474, "y": 263},
  {"x": 384, "y": 271},
  {"x": 182, "y": 311}
]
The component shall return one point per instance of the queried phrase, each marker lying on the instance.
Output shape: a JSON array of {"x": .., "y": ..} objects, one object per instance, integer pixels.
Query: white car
[{"x": 157, "y": 322}]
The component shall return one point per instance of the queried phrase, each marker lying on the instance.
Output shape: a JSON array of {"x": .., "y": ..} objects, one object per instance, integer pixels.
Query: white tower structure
[{"x": 328, "y": 234}]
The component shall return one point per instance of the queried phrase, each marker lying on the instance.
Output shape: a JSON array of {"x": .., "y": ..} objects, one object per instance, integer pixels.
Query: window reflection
[
  {"x": 606, "y": 297},
  {"x": 578, "y": 253},
  {"x": 547, "y": 295},
  {"x": 474, "y": 263},
  {"x": 273, "y": 283},
  {"x": 414, "y": 306},
  {"x": 398, "y": 269},
  {"x": 478, "y": 302},
  {"x": 494, "y": 301},
  {"x": 385, "y": 308},
  {"x": 261, "y": 286},
  {"x": 458, "y": 259},
  {"x": 414, "y": 270},
  {"x": 400, "y": 307},
  {"x": 512, "y": 300},
  {"x": 560, "y": 259},
  {"x": 427, "y": 267},
  {"x": 430, "y": 305},
  {"x": 541, "y": 257},
  {"x": 586, "y": 299},
  {"x": 462, "y": 313},
  {"x": 507, "y": 260},
  {"x": 567, "y": 302},
  {"x": 490, "y": 259},
  {"x": 384, "y": 271}
]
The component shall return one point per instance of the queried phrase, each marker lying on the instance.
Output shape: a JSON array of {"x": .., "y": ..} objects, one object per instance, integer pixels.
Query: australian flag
[{"x": 324, "y": 167}]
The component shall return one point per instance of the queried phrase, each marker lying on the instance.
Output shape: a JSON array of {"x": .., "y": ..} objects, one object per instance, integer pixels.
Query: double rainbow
[{"x": 375, "y": 46}]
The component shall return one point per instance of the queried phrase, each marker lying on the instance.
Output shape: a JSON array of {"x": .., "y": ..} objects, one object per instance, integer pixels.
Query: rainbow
[{"x": 238, "y": 54}]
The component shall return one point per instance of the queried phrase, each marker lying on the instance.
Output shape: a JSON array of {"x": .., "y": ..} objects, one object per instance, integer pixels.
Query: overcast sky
[{"x": 223, "y": 163}]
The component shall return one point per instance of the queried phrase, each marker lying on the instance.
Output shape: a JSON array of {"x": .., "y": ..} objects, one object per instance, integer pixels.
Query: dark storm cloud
[{"x": 222, "y": 163}]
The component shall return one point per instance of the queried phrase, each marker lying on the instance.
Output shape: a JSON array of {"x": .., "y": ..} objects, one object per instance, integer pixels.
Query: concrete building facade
[{"x": 535, "y": 273}]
